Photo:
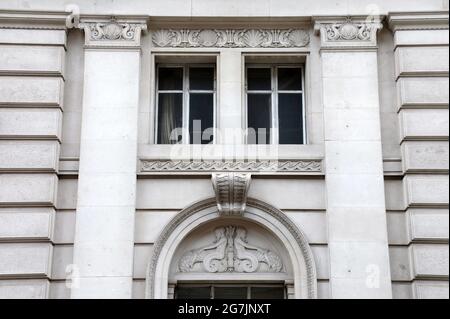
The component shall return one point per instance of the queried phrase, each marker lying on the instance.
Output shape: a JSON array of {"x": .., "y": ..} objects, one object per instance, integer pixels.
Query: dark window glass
[
  {"x": 290, "y": 118},
  {"x": 170, "y": 117},
  {"x": 201, "y": 78},
  {"x": 259, "y": 118},
  {"x": 230, "y": 292},
  {"x": 267, "y": 293},
  {"x": 259, "y": 79},
  {"x": 201, "y": 118},
  {"x": 170, "y": 79},
  {"x": 193, "y": 293},
  {"x": 289, "y": 79}
]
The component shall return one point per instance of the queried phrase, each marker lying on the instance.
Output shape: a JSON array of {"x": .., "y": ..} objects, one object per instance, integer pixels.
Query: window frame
[
  {"x": 186, "y": 91},
  {"x": 274, "y": 136},
  {"x": 249, "y": 287}
]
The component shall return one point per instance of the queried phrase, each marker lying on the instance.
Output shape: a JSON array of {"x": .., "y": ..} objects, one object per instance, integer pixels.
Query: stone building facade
[{"x": 344, "y": 195}]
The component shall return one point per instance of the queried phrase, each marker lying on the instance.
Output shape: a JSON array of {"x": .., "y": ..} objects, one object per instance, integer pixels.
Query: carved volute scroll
[
  {"x": 349, "y": 32},
  {"x": 230, "y": 253},
  {"x": 113, "y": 32},
  {"x": 231, "y": 192}
]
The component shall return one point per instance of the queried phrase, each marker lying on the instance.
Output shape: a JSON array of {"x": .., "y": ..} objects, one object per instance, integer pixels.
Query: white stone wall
[
  {"x": 32, "y": 69},
  {"x": 419, "y": 258}
]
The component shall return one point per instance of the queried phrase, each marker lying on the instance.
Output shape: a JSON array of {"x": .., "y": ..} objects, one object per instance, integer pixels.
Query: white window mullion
[
  {"x": 275, "y": 124},
  {"x": 186, "y": 138}
]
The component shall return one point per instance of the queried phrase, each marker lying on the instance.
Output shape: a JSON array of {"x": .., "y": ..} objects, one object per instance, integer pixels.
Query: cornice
[
  {"x": 19, "y": 19},
  {"x": 418, "y": 20}
]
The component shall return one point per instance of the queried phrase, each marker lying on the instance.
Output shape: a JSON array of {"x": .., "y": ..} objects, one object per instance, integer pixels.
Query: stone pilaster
[
  {"x": 358, "y": 245},
  {"x": 104, "y": 236}
]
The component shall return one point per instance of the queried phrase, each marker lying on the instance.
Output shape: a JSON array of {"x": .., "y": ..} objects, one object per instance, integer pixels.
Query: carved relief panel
[{"x": 230, "y": 248}]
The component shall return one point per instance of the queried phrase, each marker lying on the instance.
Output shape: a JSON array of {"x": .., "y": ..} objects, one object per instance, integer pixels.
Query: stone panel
[
  {"x": 397, "y": 227},
  {"x": 426, "y": 190},
  {"x": 400, "y": 263},
  {"x": 64, "y": 227},
  {"x": 415, "y": 124},
  {"x": 27, "y": 259},
  {"x": 290, "y": 193},
  {"x": 27, "y": 36},
  {"x": 29, "y": 155},
  {"x": 62, "y": 257},
  {"x": 431, "y": 289},
  {"x": 430, "y": 260},
  {"x": 142, "y": 255},
  {"x": 428, "y": 224},
  {"x": 24, "y": 289},
  {"x": 30, "y": 123},
  {"x": 171, "y": 193},
  {"x": 415, "y": 92},
  {"x": 421, "y": 37},
  {"x": 34, "y": 91},
  {"x": 394, "y": 194},
  {"x": 421, "y": 60},
  {"x": 67, "y": 194},
  {"x": 402, "y": 290},
  {"x": 149, "y": 225},
  {"x": 425, "y": 156},
  {"x": 26, "y": 223},
  {"x": 31, "y": 59},
  {"x": 28, "y": 189}
]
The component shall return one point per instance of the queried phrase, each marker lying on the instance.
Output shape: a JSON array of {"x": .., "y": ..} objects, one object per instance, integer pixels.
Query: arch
[{"x": 257, "y": 211}]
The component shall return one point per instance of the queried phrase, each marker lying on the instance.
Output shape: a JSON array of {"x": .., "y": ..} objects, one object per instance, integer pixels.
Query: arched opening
[{"x": 262, "y": 248}]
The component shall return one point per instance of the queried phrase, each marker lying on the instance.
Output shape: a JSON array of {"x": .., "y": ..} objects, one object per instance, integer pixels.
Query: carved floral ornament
[
  {"x": 292, "y": 166},
  {"x": 231, "y": 38},
  {"x": 230, "y": 252},
  {"x": 113, "y": 32},
  {"x": 348, "y": 32}
]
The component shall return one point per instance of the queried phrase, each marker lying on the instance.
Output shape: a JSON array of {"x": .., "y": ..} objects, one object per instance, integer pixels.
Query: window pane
[
  {"x": 289, "y": 79},
  {"x": 267, "y": 293},
  {"x": 259, "y": 79},
  {"x": 259, "y": 114},
  {"x": 170, "y": 117},
  {"x": 201, "y": 78},
  {"x": 193, "y": 293},
  {"x": 230, "y": 292},
  {"x": 170, "y": 79},
  {"x": 290, "y": 118},
  {"x": 201, "y": 118}
]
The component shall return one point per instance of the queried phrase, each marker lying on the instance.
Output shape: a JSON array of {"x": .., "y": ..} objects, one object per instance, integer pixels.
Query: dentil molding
[
  {"x": 349, "y": 32},
  {"x": 232, "y": 253},
  {"x": 231, "y": 38},
  {"x": 113, "y": 33},
  {"x": 231, "y": 192}
]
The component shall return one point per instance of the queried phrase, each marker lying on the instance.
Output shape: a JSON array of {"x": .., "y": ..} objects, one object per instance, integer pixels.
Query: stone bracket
[{"x": 231, "y": 191}]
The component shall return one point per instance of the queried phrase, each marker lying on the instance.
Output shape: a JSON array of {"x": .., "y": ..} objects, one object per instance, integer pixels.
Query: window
[
  {"x": 186, "y": 97},
  {"x": 225, "y": 291},
  {"x": 275, "y": 104}
]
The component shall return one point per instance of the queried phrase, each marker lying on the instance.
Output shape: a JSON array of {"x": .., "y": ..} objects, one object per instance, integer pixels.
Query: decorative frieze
[
  {"x": 231, "y": 192},
  {"x": 113, "y": 33},
  {"x": 231, "y": 38},
  {"x": 230, "y": 252},
  {"x": 351, "y": 32},
  {"x": 292, "y": 166}
]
